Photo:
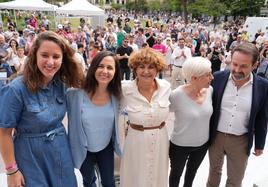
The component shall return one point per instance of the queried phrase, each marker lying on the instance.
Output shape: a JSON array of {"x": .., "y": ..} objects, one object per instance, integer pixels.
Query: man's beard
[{"x": 239, "y": 76}]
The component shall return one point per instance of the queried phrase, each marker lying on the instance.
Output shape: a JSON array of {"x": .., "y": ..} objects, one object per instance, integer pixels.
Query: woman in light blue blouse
[
  {"x": 92, "y": 117},
  {"x": 34, "y": 105}
]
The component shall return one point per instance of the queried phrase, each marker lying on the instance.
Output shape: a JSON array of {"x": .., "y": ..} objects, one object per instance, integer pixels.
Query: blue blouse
[
  {"x": 98, "y": 123},
  {"x": 76, "y": 132}
]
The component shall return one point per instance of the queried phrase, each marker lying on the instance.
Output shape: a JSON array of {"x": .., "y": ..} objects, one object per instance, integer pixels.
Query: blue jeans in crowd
[
  {"x": 126, "y": 72},
  {"x": 7, "y": 68},
  {"x": 104, "y": 160}
]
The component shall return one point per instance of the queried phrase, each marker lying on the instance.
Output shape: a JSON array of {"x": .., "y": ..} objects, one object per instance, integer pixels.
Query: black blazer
[{"x": 257, "y": 125}]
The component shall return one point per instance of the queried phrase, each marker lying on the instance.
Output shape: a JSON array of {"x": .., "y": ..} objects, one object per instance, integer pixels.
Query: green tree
[
  {"x": 130, "y": 5},
  {"x": 243, "y": 7},
  {"x": 116, "y": 6},
  {"x": 139, "y": 5},
  {"x": 101, "y": 3},
  {"x": 213, "y": 8}
]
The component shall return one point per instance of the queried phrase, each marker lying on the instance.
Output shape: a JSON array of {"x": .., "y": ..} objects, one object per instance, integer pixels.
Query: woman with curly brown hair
[
  {"x": 146, "y": 100},
  {"x": 34, "y": 105}
]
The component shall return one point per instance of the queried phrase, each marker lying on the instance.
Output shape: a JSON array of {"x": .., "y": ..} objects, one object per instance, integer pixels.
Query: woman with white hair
[{"x": 192, "y": 105}]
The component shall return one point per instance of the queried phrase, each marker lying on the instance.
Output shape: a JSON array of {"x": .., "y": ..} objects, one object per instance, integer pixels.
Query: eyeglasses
[{"x": 125, "y": 41}]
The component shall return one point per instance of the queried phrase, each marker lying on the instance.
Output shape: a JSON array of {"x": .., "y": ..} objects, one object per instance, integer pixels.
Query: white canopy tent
[
  {"x": 35, "y": 5},
  {"x": 83, "y": 8},
  {"x": 31, "y": 5}
]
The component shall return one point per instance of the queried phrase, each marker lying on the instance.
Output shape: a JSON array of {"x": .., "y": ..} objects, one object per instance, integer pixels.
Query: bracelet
[
  {"x": 11, "y": 166},
  {"x": 12, "y": 173}
]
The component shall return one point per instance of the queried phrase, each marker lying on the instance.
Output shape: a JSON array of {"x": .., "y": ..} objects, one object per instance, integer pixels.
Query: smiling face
[
  {"x": 49, "y": 59},
  {"x": 146, "y": 72},
  {"x": 13, "y": 43},
  {"x": 181, "y": 43},
  {"x": 105, "y": 71},
  {"x": 241, "y": 67}
]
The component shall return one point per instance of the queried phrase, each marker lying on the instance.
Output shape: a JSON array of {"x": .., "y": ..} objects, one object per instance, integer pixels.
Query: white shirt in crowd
[
  {"x": 177, "y": 52},
  {"x": 235, "y": 108},
  {"x": 81, "y": 60}
]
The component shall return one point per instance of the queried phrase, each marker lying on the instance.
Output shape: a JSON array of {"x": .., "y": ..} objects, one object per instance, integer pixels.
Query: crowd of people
[{"x": 218, "y": 92}]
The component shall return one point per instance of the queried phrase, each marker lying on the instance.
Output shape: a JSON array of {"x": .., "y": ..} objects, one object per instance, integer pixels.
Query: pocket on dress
[
  {"x": 163, "y": 103},
  {"x": 34, "y": 108},
  {"x": 137, "y": 108},
  {"x": 60, "y": 99}
]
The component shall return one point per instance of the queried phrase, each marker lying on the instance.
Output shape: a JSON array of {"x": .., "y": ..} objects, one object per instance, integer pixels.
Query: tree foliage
[
  {"x": 139, "y": 5},
  {"x": 207, "y": 7},
  {"x": 243, "y": 7},
  {"x": 154, "y": 5},
  {"x": 171, "y": 5}
]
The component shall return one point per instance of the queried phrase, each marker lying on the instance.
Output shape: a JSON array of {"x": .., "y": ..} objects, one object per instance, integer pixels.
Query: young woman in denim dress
[{"x": 38, "y": 153}]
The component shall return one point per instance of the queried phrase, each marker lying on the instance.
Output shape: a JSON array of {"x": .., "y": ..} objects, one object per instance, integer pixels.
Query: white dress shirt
[
  {"x": 235, "y": 108},
  {"x": 181, "y": 59}
]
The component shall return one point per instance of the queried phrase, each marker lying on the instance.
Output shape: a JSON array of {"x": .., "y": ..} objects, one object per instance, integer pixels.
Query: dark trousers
[
  {"x": 126, "y": 72},
  {"x": 160, "y": 75},
  {"x": 178, "y": 157},
  {"x": 104, "y": 160}
]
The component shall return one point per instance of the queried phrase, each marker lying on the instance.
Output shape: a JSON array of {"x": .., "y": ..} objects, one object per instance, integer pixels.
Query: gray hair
[{"x": 195, "y": 66}]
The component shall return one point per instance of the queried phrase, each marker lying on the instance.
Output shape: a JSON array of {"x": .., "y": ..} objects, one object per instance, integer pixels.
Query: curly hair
[
  {"x": 146, "y": 56},
  {"x": 69, "y": 73}
]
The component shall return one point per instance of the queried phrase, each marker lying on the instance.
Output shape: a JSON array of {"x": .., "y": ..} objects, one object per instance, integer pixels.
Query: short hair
[
  {"x": 126, "y": 37},
  {"x": 21, "y": 47},
  {"x": 90, "y": 83},
  {"x": 195, "y": 66},
  {"x": 141, "y": 30},
  {"x": 80, "y": 45},
  {"x": 69, "y": 73},
  {"x": 248, "y": 49},
  {"x": 13, "y": 39},
  {"x": 181, "y": 38},
  {"x": 146, "y": 56}
]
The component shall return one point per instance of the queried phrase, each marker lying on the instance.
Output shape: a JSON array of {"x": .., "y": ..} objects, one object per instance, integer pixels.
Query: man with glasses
[{"x": 123, "y": 52}]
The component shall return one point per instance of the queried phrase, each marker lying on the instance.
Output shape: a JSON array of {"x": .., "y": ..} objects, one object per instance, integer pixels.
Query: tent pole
[
  {"x": 54, "y": 12},
  {"x": 15, "y": 17}
]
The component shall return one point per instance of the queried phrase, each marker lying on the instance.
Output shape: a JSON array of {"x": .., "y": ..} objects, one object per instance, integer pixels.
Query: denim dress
[{"x": 41, "y": 147}]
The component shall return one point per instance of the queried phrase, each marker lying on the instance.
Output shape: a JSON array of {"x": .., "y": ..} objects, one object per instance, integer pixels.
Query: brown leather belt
[
  {"x": 142, "y": 128},
  {"x": 234, "y": 135}
]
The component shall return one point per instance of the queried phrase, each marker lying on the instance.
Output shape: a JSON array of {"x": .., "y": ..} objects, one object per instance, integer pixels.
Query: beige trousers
[
  {"x": 176, "y": 77},
  {"x": 235, "y": 149}
]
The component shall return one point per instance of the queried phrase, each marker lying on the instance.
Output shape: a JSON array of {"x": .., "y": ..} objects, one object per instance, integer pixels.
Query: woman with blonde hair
[{"x": 192, "y": 105}]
